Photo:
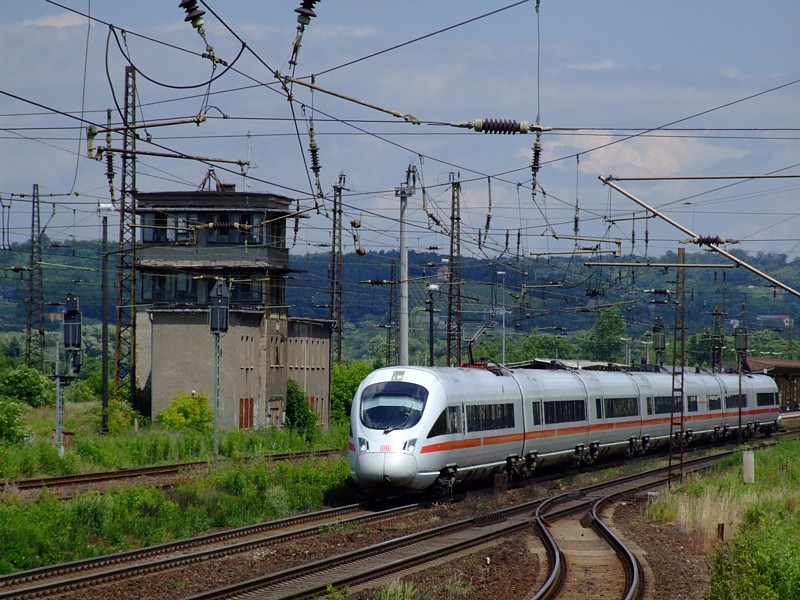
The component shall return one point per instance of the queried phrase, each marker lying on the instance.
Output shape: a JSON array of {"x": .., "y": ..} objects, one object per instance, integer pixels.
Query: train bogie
[{"x": 417, "y": 427}]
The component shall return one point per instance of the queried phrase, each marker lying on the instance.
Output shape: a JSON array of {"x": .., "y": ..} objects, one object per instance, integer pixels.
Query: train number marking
[{"x": 386, "y": 448}]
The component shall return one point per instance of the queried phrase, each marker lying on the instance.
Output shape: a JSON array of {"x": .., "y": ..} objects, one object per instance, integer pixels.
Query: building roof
[{"x": 205, "y": 201}]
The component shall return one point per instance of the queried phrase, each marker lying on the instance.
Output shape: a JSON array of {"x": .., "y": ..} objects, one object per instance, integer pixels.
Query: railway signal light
[
  {"x": 218, "y": 315},
  {"x": 72, "y": 323}
]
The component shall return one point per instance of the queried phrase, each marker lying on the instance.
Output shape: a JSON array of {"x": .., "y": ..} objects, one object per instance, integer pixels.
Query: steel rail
[{"x": 159, "y": 564}]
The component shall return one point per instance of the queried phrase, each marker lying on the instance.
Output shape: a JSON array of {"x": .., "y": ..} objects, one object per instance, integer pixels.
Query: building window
[
  {"x": 185, "y": 288},
  {"x": 155, "y": 288}
]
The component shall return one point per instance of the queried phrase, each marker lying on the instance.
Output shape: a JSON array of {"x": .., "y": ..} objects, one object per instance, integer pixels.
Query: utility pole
[
  {"x": 430, "y": 288},
  {"x": 391, "y": 326},
  {"x": 125, "y": 347},
  {"x": 717, "y": 340},
  {"x": 335, "y": 301},
  {"x": 740, "y": 343},
  {"x": 403, "y": 192},
  {"x": 677, "y": 428},
  {"x": 454, "y": 277},
  {"x": 104, "y": 326},
  {"x": 34, "y": 344},
  {"x": 218, "y": 322},
  {"x": 503, "y": 308}
]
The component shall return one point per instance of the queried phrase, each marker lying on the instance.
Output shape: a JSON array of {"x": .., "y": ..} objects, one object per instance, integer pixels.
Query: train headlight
[
  {"x": 410, "y": 445},
  {"x": 363, "y": 445}
]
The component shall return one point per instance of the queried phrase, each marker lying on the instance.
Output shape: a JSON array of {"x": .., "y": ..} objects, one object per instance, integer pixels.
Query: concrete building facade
[{"x": 190, "y": 240}]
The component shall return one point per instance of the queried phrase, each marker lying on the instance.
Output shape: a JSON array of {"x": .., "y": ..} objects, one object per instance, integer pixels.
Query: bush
[
  {"x": 188, "y": 411},
  {"x": 120, "y": 416},
  {"x": 299, "y": 416},
  {"x": 27, "y": 385},
  {"x": 12, "y": 424},
  {"x": 80, "y": 391}
]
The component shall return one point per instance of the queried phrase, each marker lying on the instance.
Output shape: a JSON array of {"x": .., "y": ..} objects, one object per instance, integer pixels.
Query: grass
[
  {"x": 49, "y": 531},
  {"x": 152, "y": 445},
  {"x": 761, "y": 557}
]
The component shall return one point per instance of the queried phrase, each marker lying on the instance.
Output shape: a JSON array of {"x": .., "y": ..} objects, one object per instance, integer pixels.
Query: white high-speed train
[{"x": 412, "y": 428}]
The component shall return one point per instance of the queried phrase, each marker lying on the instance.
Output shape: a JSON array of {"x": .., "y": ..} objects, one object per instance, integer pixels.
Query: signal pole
[{"x": 403, "y": 192}]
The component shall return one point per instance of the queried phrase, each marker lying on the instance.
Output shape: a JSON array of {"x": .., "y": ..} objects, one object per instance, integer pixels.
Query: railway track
[
  {"x": 171, "y": 469},
  {"x": 355, "y": 567},
  {"x": 85, "y": 575},
  {"x": 581, "y": 560},
  {"x": 408, "y": 552}
]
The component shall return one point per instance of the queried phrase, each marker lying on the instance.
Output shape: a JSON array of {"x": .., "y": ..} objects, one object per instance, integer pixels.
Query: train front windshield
[{"x": 392, "y": 405}]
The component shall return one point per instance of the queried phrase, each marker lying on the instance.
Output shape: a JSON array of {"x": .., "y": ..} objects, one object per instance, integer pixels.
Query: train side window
[
  {"x": 666, "y": 404},
  {"x": 454, "y": 420},
  {"x": 486, "y": 417},
  {"x": 765, "y": 399},
  {"x": 564, "y": 411},
  {"x": 449, "y": 421},
  {"x": 714, "y": 403},
  {"x": 621, "y": 407},
  {"x": 598, "y": 407},
  {"x": 440, "y": 426},
  {"x": 691, "y": 403},
  {"x": 732, "y": 401},
  {"x": 537, "y": 413},
  {"x": 649, "y": 405}
]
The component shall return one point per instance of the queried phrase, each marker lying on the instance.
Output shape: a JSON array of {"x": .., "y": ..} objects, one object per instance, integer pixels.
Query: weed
[{"x": 398, "y": 590}]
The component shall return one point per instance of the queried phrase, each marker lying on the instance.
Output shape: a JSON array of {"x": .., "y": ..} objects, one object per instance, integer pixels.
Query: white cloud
[
  {"x": 57, "y": 21},
  {"x": 730, "y": 72},
  {"x": 603, "y": 65},
  {"x": 643, "y": 156},
  {"x": 340, "y": 31}
]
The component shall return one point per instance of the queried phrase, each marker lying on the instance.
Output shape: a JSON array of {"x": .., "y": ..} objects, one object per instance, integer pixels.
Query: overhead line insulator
[
  {"x": 193, "y": 14},
  {"x": 504, "y": 126},
  {"x": 306, "y": 12}
]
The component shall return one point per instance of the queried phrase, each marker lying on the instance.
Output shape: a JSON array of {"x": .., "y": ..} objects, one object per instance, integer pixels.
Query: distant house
[
  {"x": 9, "y": 294},
  {"x": 187, "y": 242}
]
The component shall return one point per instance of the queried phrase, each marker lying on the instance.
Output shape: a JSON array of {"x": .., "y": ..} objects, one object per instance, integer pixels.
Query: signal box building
[{"x": 187, "y": 241}]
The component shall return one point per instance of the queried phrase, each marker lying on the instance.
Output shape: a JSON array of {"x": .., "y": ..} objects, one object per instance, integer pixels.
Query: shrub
[
  {"x": 188, "y": 411},
  {"x": 12, "y": 424},
  {"x": 27, "y": 385},
  {"x": 80, "y": 391},
  {"x": 299, "y": 416},
  {"x": 120, "y": 416}
]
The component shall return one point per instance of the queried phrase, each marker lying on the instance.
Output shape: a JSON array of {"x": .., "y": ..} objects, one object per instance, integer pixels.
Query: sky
[{"x": 632, "y": 89}]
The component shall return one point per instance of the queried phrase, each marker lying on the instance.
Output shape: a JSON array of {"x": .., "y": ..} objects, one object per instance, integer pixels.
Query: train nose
[{"x": 382, "y": 468}]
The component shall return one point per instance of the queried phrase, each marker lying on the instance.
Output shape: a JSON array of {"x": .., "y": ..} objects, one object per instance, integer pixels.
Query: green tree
[
  {"x": 604, "y": 340},
  {"x": 299, "y": 416},
  {"x": 188, "y": 411},
  {"x": 345, "y": 379},
  {"x": 540, "y": 345},
  {"x": 28, "y": 386},
  {"x": 80, "y": 391}
]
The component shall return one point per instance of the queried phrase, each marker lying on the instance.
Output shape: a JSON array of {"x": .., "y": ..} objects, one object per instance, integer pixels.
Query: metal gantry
[
  {"x": 454, "y": 334},
  {"x": 125, "y": 347},
  {"x": 34, "y": 330},
  {"x": 677, "y": 423},
  {"x": 336, "y": 275}
]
